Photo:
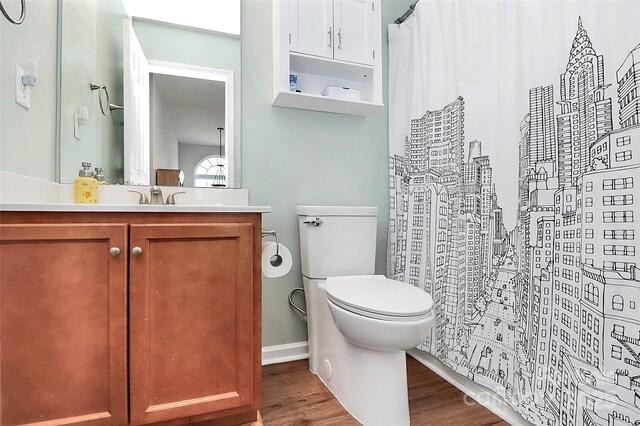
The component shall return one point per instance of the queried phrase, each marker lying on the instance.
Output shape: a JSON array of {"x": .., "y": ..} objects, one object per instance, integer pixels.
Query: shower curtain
[{"x": 514, "y": 161}]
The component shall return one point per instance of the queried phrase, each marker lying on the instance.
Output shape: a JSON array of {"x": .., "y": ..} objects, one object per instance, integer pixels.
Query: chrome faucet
[{"x": 155, "y": 196}]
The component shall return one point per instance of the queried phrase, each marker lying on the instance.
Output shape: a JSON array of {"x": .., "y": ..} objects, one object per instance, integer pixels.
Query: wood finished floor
[{"x": 293, "y": 395}]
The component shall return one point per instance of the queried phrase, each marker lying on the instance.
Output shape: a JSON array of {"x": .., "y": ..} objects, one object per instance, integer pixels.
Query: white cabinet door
[
  {"x": 354, "y": 32},
  {"x": 311, "y": 28}
]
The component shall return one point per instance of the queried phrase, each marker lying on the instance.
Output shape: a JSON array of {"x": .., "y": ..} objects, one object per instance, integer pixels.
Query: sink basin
[{"x": 118, "y": 194}]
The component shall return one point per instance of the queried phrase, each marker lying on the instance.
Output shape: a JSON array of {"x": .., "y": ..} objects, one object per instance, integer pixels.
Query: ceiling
[{"x": 195, "y": 106}]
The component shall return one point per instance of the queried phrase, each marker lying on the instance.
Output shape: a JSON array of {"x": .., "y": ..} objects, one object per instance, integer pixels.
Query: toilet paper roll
[{"x": 268, "y": 251}]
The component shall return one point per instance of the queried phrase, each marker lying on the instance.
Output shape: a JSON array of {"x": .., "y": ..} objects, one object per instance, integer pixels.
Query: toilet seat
[{"x": 378, "y": 297}]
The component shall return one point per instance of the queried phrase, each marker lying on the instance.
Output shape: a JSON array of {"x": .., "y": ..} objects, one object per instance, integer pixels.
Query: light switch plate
[
  {"x": 76, "y": 126},
  {"x": 23, "y": 93}
]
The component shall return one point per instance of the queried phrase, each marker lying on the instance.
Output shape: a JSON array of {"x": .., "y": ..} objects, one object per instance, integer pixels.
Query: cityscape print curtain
[{"x": 514, "y": 165}]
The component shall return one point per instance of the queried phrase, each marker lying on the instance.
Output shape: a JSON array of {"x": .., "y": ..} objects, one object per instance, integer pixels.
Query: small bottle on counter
[
  {"x": 86, "y": 186},
  {"x": 100, "y": 176}
]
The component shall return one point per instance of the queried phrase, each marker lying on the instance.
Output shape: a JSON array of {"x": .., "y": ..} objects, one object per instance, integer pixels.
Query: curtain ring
[
  {"x": 101, "y": 89},
  {"x": 23, "y": 12}
]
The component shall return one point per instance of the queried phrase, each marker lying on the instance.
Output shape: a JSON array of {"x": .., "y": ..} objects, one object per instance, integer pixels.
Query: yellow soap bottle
[{"x": 85, "y": 186}]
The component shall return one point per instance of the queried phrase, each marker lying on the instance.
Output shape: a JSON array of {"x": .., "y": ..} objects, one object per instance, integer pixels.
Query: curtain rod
[{"x": 406, "y": 15}]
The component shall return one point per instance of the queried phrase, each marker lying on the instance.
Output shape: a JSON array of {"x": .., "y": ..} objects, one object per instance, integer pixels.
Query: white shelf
[
  {"x": 316, "y": 72},
  {"x": 331, "y": 68},
  {"x": 322, "y": 103}
]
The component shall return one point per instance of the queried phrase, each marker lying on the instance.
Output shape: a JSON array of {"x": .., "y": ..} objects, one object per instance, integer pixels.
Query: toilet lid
[{"x": 378, "y": 295}]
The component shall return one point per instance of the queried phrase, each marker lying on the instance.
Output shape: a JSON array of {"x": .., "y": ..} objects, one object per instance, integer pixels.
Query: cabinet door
[
  {"x": 311, "y": 27},
  {"x": 191, "y": 320},
  {"x": 63, "y": 324},
  {"x": 354, "y": 22}
]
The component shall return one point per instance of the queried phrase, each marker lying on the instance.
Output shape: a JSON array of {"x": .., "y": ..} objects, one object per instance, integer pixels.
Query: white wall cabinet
[
  {"x": 311, "y": 27},
  {"x": 335, "y": 29},
  {"x": 354, "y": 23},
  {"x": 328, "y": 43}
]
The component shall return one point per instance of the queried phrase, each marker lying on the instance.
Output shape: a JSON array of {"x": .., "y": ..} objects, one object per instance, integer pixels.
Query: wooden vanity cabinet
[
  {"x": 63, "y": 324},
  {"x": 193, "y": 330}
]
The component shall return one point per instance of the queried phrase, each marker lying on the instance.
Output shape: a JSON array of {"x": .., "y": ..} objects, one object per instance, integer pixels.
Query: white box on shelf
[{"x": 343, "y": 93}]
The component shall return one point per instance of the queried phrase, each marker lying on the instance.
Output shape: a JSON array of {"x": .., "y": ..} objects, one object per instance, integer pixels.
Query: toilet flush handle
[{"x": 316, "y": 221}]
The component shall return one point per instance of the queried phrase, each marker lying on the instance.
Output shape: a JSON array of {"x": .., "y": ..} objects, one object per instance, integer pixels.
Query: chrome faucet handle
[
  {"x": 316, "y": 221},
  {"x": 171, "y": 199},
  {"x": 156, "y": 196},
  {"x": 143, "y": 198}
]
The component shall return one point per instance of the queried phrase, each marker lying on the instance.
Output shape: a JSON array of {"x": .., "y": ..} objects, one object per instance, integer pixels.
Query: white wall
[
  {"x": 164, "y": 144},
  {"x": 190, "y": 155}
]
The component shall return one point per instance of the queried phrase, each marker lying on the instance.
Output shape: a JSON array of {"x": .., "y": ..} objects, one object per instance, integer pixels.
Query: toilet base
[{"x": 370, "y": 385}]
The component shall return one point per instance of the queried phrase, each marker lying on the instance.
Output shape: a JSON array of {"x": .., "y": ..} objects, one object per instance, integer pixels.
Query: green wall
[
  {"x": 293, "y": 157},
  {"x": 27, "y": 137},
  {"x": 92, "y": 50}
]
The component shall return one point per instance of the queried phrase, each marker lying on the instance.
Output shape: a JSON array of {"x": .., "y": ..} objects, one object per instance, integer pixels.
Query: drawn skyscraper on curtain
[
  {"x": 425, "y": 245},
  {"x": 585, "y": 112},
  {"x": 628, "y": 77},
  {"x": 542, "y": 142},
  {"x": 545, "y": 314}
]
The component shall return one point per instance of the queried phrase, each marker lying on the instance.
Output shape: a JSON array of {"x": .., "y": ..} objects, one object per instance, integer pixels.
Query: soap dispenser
[
  {"x": 100, "y": 176},
  {"x": 85, "y": 186}
]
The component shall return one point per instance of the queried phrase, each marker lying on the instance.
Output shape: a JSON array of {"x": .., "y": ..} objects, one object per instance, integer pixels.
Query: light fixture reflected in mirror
[{"x": 220, "y": 178}]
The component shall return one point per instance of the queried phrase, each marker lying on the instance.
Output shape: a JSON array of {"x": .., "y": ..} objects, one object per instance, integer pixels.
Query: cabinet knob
[
  {"x": 136, "y": 251},
  {"x": 114, "y": 251}
]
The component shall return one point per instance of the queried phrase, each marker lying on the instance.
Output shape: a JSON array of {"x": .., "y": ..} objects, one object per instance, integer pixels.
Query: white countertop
[
  {"x": 137, "y": 208},
  {"x": 25, "y": 194}
]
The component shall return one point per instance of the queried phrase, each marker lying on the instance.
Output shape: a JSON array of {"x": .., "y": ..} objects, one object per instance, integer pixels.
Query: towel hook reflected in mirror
[
  {"x": 23, "y": 12},
  {"x": 104, "y": 106}
]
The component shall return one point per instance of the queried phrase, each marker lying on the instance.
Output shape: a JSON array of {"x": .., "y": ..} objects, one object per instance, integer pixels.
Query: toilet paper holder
[{"x": 276, "y": 259}]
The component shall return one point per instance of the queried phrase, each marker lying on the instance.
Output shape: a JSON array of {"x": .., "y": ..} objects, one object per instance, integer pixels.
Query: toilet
[{"x": 359, "y": 324}]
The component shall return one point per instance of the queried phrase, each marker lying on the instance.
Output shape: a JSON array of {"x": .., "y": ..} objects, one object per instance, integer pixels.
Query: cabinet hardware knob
[
  {"x": 114, "y": 251},
  {"x": 136, "y": 251},
  {"x": 330, "y": 35},
  {"x": 340, "y": 38}
]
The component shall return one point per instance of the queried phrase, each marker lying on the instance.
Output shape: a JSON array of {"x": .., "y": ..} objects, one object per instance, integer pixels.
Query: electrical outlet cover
[{"x": 23, "y": 94}]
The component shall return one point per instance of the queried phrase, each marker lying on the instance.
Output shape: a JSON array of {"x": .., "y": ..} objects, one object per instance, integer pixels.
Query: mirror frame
[{"x": 213, "y": 74}]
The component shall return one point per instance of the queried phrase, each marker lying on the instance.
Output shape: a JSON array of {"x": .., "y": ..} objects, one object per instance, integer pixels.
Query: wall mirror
[
  {"x": 167, "y": 132},
  {"x": 192, "y": 128}
]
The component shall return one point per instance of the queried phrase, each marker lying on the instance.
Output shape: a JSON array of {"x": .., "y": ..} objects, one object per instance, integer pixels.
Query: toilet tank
[{"x": 337, "y": 240}]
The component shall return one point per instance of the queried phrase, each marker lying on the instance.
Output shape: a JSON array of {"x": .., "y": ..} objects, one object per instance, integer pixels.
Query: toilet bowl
[
  {"x": 359, "y": 324},
  {"x": 379, "y": 314}
]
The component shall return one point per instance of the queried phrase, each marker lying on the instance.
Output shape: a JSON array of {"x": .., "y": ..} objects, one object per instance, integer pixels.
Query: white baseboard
[
  {"x": 285, "y": 353},
  {"x": 484, "y": 396}
]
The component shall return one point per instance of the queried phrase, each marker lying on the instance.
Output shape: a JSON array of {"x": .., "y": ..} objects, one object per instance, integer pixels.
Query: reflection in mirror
[
  {"x": 93, "y": 49},
  {"x": 186, "y": 113}
]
